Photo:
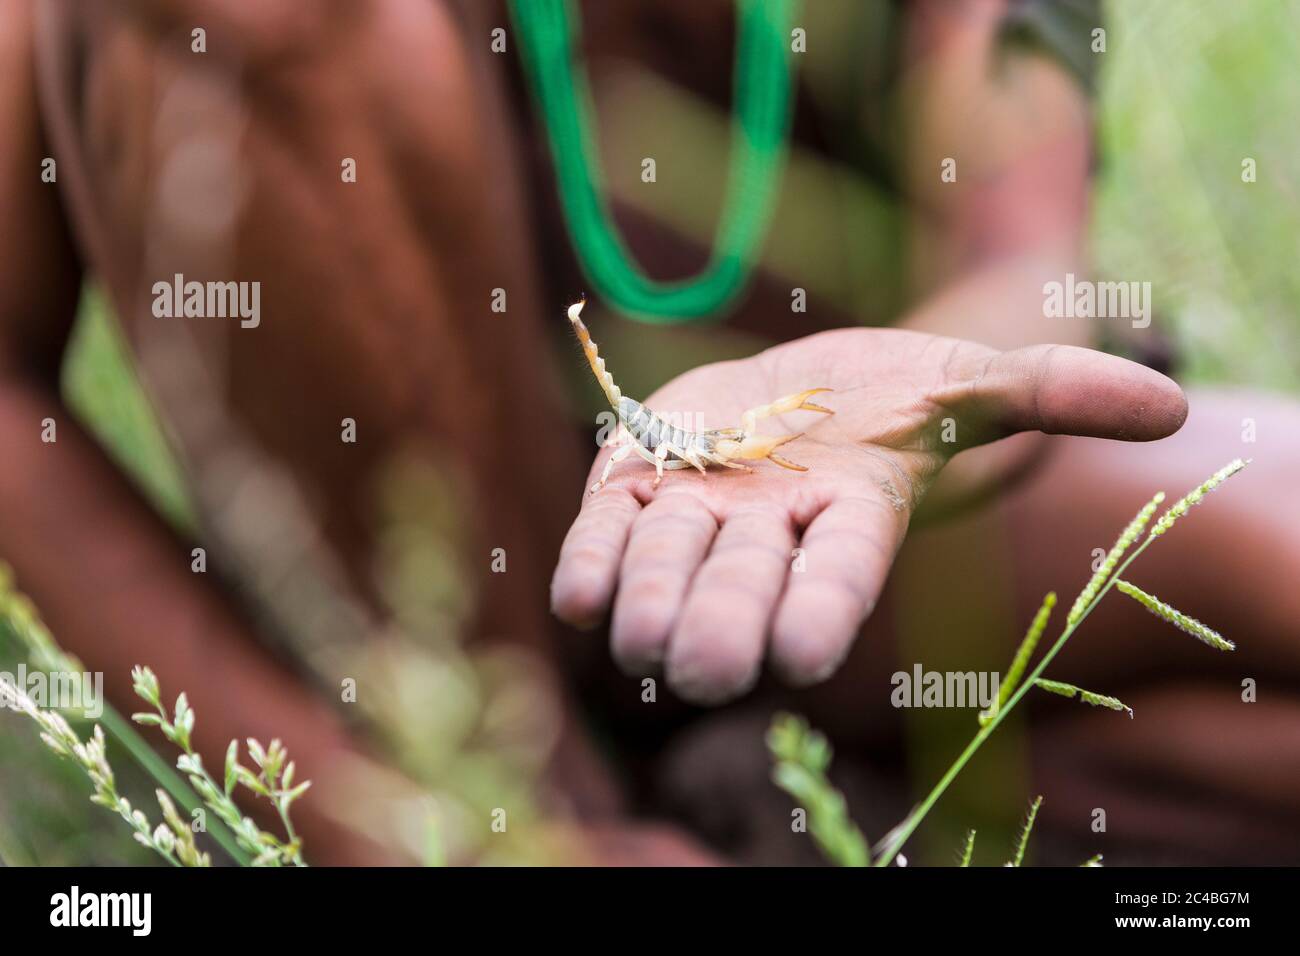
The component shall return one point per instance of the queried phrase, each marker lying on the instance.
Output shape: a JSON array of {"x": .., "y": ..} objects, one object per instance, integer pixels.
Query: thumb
[{"x": 1059, "y": 390}]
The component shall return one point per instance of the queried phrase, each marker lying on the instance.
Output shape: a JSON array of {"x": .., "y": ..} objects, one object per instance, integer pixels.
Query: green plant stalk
[
  {"x": 283, "y": 810},
  {"x": 914, "y": 819},
  {"x": 968, "y": 849},
  {"x": 169, "y": 779},
  {"x": 1022, "y": 841}
]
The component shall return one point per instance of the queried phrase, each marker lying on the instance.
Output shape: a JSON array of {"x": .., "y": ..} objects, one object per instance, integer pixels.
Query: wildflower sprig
[
  {"x": 19, "y": 618},
  {"x": 173, "y": 840},
  {"x": 802, "y": 759},
  {"x": 274, "y": 779}
]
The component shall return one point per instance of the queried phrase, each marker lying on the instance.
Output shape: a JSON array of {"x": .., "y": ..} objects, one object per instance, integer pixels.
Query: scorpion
[{"x": 669, "y": 447}]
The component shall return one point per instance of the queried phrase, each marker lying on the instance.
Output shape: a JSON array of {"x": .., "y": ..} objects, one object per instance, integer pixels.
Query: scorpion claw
[
  {"x": 755, "y": 448},
  {"x": 790, "y": 403},
  {"x": 786, "y": 463},
  {"x": 799, "y": 402},
  {"x": 802, "y": 403}
]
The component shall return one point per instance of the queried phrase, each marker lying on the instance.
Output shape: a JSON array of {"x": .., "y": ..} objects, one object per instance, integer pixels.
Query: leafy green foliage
[
  {"x": 104, "y": 392},
  {"x": 802, "y": 759}
]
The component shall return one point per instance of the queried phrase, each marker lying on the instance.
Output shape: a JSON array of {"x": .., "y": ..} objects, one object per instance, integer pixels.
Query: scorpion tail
[{"x": 593, "y": 356}]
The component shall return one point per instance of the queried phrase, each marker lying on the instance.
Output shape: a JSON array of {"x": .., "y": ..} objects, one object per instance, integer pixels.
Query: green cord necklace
[{"x": 762, "y": 108}]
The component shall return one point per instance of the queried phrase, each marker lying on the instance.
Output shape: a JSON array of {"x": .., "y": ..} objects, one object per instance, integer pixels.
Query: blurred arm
[
  {"x": 109, "y": 577},
  {"x": 1018, "y": 126},
  {"x": 981, "y": 247}
]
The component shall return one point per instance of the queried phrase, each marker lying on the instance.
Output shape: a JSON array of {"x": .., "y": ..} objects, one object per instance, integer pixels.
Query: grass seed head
[
  {"x": 1178, "y": 619},
  {"x": 1193, "y": 497}
]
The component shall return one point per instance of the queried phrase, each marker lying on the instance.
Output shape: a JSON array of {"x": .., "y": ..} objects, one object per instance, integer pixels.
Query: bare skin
[{"x": 375, "y": 307}]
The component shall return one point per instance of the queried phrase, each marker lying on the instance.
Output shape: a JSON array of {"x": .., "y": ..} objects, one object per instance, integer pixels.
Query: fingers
[
  {"x": 1062, "y": 390},
  {"x": 847, "y": 552},
  {"x": 669, "y": 539},
  {"x": 587, "y": 571},
  {"x": 716, "y": 649}
]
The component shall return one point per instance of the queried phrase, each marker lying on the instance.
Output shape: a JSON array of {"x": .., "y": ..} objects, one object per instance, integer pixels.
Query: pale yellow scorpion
[{"x": 667, "y": 446}]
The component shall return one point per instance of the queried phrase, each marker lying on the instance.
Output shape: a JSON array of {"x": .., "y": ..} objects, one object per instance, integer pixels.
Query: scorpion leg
[
  {"x": 661, "y": 464},
  {"x": 619, "y": 454},
  {"x": 692, "y": 458},
  {"x": 661, "y": 455},
  {"x": 718, "y": 460}
]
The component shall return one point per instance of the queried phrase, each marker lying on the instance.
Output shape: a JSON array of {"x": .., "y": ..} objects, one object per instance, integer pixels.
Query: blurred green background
[{"x": 1189, "y": 89}]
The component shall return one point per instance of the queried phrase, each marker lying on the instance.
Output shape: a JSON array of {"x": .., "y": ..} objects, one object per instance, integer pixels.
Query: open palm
[{"x": 708, "y": 574}]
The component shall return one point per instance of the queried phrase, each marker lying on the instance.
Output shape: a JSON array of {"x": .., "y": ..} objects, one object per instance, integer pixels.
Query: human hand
[{"x": 702, "y": 572}]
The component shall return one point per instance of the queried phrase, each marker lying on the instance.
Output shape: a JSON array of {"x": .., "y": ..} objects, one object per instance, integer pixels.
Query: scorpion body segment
[
  {"x": 650, "y": 430},
  {"x": 668, "y": 446}
]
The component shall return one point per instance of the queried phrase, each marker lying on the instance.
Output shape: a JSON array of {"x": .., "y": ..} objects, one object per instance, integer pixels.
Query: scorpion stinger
[{"x": 668, "y": 447}]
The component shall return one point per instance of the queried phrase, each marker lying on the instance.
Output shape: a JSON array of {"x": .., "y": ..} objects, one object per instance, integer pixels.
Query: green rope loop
[{"x": 762, "y": 92}]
